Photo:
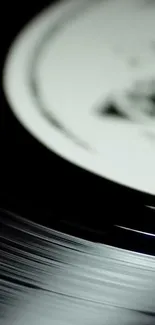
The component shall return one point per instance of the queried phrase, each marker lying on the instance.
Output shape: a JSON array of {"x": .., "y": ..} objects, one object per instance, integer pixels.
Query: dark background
[{"x": 37, "y": 184}]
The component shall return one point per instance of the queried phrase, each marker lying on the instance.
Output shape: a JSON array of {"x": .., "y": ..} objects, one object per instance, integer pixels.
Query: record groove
[{"x": 48, "y": 275}]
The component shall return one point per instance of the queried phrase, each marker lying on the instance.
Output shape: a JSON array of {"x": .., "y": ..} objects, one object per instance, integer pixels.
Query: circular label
[{"x": 81, "y": 78}]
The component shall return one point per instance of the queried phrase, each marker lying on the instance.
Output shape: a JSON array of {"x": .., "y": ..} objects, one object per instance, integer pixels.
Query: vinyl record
[
  {"x": 51, "y": 277},
  {"x": 77, "y": 203},
  {"x": 61, "y": 81}
]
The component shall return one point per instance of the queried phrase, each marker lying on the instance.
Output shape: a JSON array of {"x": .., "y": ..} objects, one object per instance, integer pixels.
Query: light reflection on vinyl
[
  {"x": 48, "y": 277},
  {"x": 81, "y": 78}
]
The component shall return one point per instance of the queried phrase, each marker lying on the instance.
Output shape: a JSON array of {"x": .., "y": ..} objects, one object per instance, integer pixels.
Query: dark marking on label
[{"x": 111, "y": 109}]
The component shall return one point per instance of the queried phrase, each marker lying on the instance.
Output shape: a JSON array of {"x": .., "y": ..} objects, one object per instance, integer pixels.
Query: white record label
[{"x": 81, "y": 78}]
